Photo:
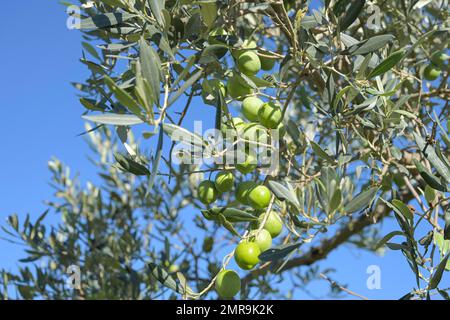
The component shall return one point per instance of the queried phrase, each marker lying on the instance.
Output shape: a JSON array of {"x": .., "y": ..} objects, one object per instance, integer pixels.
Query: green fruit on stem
[
  {"x": 273, "y": 224},
  {"x": 242, "y": 191},
  {"x": 270, "y": 115},
  {"x": 267, "y": 63},
  {"x": 259, "y": 197},
  {"x": 246, "y": 255},
  {"x": 248, "y": 165},
  {"x": 224, "y": 181},
  {"x": 236, "y": 89},
  {"x": 247, "y": 45},
  {"x": 439, "y": 58},
  {"x": 228, "y": 283},
  {"x": 231, "y": 129},
  {"x": 255, "y": 133},
  {"x": 431, "y": 73},
  {"x": 263, "y": 239},
  {"x": 207, "y": 192},
  {"x": 250, "y": 108},
  {"x": 248, "y": 63}
]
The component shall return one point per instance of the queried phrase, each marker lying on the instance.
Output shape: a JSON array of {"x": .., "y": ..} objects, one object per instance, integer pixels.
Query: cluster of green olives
[
  {"x": 246, "y": 254},
  {"x": 247, "y": 192},
  {"x": 261, "y": 116},
  {"x": 437, "y": 64},
  {"x": 260, "y": 236}
]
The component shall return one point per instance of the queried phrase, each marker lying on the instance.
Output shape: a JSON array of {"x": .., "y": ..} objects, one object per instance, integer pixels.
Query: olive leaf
[
  {"x": 437, "y": 275},
  {"x": 369, "y": 45},
  {"x": 114, "y": 119},
  {"x": 429, "y": 178},
  {"x": 231, "y": 214},
  {"x": 388, "y": 237},
  {"x": 105, "y": 20},
  {"x": 351, "y": 14},
  {"x": 165, "y": 278},
  {"x": 129, "y": 165},
  {"x": 430, "y": 154},
  {"x": 321, "y": 153},
  {"x": 283, "y": 193},
  {"x": 387, "y": 64},
  {"x": 277, "y": 253},
  {"x": 156, "y": 160},
  {"x": 361, "y": 201}
]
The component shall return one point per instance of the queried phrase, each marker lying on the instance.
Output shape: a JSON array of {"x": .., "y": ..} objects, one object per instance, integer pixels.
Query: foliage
[{"x": 367, "y": 139}]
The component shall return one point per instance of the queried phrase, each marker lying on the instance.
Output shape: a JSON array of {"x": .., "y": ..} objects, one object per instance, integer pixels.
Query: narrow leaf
[
  {"x": 387, "y": 64},
  {"x": 114, "y": 119},
  {"x": 361, "y": 201}
]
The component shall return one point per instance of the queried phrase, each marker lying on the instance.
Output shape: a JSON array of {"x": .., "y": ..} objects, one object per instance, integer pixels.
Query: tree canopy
[{"x": 347, "y": 99}]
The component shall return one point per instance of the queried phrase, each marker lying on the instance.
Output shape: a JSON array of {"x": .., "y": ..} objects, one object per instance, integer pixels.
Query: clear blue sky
[{"x": 41, "y": 118}]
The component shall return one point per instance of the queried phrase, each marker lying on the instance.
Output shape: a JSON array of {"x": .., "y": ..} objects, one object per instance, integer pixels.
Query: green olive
[
  {"x": 270, "y": 115},
  {"x": 224, "y": 181},
  {"x": 228, "y": 283},
  {"x": 431, "y": 73},
  {"x": 248, "y": 63},
  {"x": 259, "y": 197},
  {"x": 246, "y": 255},
  {"x": 248, "y": 165},
  {"x": 251, "y": 107},
  {"x": 273, "y": 224},
  {"x": 242, "y": 191},
  {"x": 207, "y": 192}
]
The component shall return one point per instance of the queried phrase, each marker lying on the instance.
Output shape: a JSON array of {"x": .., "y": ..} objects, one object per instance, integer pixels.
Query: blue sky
[{"x": 41, "y": 119}]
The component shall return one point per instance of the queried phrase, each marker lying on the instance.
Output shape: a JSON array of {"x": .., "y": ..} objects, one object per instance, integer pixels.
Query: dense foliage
[{"x": 352, "y": 97}]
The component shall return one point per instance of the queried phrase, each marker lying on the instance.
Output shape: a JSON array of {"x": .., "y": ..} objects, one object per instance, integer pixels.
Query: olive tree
[{"x": 347, "y": 99}]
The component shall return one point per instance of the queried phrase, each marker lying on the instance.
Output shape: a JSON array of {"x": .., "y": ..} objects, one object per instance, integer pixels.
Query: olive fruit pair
[
  {"x": 249, "y": 62},
  {"x": 250, "y": 193},
  {"x": 269, "y": 114},
  {"x": 228, "y": 283},
  {"x": 434, "y": 69},
  {"x": 208, "y": 191}
]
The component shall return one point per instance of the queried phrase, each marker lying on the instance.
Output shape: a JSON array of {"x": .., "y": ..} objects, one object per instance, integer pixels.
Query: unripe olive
[
  {"x": 439, "y": 58},
  {"x": 228, "y": 283},
  {"x": 247, "y": 45},
  {"x": 243, "y": 189},
  {"x": 236, "y": 89},
  {"x": 248, "y": 63},
  {"x": 207, "y": 192},
  {"x": 270, "y": 115},
  {"x": 431, "y": 73},
  {"x": 273, "y": 224},
  {"x": 259, "y": 197},
  {"x": 248, "y": 165},
  {"x": 231, "y": 130},
  {"x": 251, "y": 107},
  {"x": 224, "y": 181},
  {"x": 246, "y": 255},
  {"x": 255, "y": 133},
  {"x": 262, "y": 238},
  {"x": 208, "y": 244}
]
